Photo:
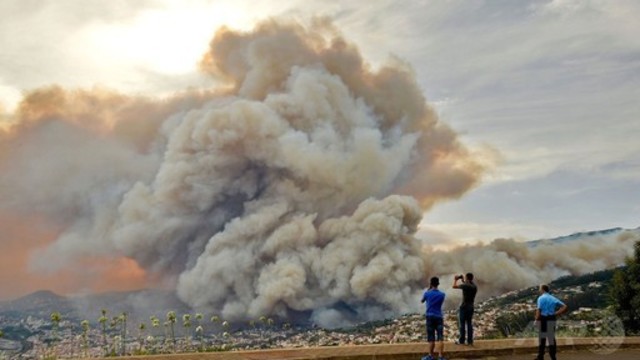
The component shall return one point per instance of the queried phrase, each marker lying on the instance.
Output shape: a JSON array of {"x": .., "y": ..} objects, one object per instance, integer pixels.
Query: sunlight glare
[{"x": 169, "y": 41}]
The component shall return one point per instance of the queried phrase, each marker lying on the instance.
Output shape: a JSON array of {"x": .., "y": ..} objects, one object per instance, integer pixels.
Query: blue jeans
[{"x": 465, "y": 315}]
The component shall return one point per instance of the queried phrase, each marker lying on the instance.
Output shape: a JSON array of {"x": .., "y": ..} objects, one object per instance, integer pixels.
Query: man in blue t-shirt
[
  {"x": 548, "y": 309},
  {"x": 435, "y": 319}
]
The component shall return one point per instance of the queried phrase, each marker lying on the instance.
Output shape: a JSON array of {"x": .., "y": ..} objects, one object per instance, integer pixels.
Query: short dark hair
[
  {"x": 470, "y": 276},
  {"x": 434, "y": 282},
  {"x": 544, "y": 287}
]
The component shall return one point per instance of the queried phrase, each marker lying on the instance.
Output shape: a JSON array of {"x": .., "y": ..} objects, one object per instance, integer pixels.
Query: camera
[{"x": 459, "y": 277}]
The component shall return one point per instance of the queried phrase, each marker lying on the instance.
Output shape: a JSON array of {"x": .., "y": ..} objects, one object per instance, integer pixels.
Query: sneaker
[
  {"x": 427, "y": 357},
  {"x": 441, "y": 358},
  {"x": 457, "y": 342}
]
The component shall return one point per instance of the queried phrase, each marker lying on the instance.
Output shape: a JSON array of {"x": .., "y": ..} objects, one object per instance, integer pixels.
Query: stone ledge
[{"x": 411, "y": 351}]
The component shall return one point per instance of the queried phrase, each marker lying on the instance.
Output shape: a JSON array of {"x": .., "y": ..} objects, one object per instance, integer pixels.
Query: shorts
[{"x": 435, "y": 328}]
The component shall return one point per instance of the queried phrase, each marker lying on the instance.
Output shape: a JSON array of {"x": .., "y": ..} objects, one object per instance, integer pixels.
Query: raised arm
[{"x": 455, "y": 282}]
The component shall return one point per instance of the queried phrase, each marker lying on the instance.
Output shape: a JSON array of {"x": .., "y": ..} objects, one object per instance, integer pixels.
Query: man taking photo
[{"x": 465, "y": 314}]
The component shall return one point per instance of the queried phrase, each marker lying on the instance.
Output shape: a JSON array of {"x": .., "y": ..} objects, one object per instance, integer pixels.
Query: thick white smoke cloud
[
  {"x": 260, "y": 203},
  {"x": 269, "y": 197},
  {"x": 296, "y": 190}
]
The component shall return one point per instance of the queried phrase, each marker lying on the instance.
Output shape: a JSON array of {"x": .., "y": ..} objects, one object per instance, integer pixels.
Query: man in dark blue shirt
[
  {"x": 465, "y": 313},
  {"x": 435, "y": 318}
]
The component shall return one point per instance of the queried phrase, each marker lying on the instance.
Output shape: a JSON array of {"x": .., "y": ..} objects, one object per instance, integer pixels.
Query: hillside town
[{"x": 187, "y": 333}]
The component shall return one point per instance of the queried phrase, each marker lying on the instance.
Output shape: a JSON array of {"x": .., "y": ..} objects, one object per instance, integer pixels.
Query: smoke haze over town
[{"x": 299, "y": 176}]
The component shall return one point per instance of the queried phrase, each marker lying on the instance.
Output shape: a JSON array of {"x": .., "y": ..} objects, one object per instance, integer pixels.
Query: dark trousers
[
  {"x": 465, "y": 315},
  {"x": 547, "y": 334}
]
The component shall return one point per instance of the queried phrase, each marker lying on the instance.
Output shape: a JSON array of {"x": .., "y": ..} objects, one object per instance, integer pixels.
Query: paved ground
[
  {"x": 618, "y": 355},
  {"x": 512, "y": 349}
]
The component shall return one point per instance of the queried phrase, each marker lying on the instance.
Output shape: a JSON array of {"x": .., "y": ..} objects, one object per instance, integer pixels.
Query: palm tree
[
  {"x": 186, "y": 322},
  {"x": 215, "y": 319},
  {"x": 85, "y": 334},
  {"x": 116, "y": 338},
  {"x": 55, "y": 324},
  {"x": 123, "y": 320},
  {"x": 1, "y": 352},
  {"x": 171, "y": 319},
  {"x": 103, "y": 324},
  {"x": 55, "y": 320},
  {"x": 263, "y": 322},
  {"x": 199, "y": 318},
  {"x": 152, "y": 344},
  {"x": 155, "y": 323},
  {"x": 141, "y": 329},
  {"x": 199, "y": 331}
]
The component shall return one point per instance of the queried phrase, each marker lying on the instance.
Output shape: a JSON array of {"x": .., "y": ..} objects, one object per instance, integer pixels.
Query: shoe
[
  {"x": 441, "y": 358},
  {"x": 427, "y": 357},
  {"x": 457, "y": 342}
]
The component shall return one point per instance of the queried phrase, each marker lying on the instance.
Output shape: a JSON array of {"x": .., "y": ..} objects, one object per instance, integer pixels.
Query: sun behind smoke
[{"x": 277, "y": 194}]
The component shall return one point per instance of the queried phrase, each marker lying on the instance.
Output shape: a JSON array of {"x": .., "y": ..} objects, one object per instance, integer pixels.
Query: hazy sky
[{"x": 552, "y": 86}]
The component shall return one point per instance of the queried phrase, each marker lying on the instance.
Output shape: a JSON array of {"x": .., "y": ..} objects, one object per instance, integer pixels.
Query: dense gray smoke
[
  {"x": 505, "y": 264},
  {"x": 264, "y": 201},
  {"x": 285, "y": 191},
  {"x": 295, "y": 189}
]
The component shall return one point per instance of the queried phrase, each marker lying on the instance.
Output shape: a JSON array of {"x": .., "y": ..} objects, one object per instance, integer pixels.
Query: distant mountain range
[
  {"x": 139, "y": 304},
  {"x": 37, "y": 304},
  {"x": 580, "y": 236}
]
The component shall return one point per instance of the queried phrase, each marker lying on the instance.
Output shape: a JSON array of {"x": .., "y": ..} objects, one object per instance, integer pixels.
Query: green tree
[
  {"x": 625, "y": 292},
  {"x": 171, "y": 319},
  {"x": 199, "y": 334},
  {"x": 155, "y": 323},
  {"x": 123, "y": 321},
  {"x": 1, "y": 352},
  {"x": 85, "y": 337},
  {"x": 141, "y": 329},
  {"x": 186, "y": 323},
  {"x": 117, "y": 338},
  {"x": 55, "y": 326},
  {"x": 199, "y": 318},
  {"x": 103, "y": 325},
  {"x": 215, "y": 319}
]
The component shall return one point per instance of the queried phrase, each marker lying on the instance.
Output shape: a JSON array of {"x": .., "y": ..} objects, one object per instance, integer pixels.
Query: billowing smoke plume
[
  {"x": 296, "y": 189},
  {"x": 262, "y": 201},
  {"x": 506, "y": 265}
]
